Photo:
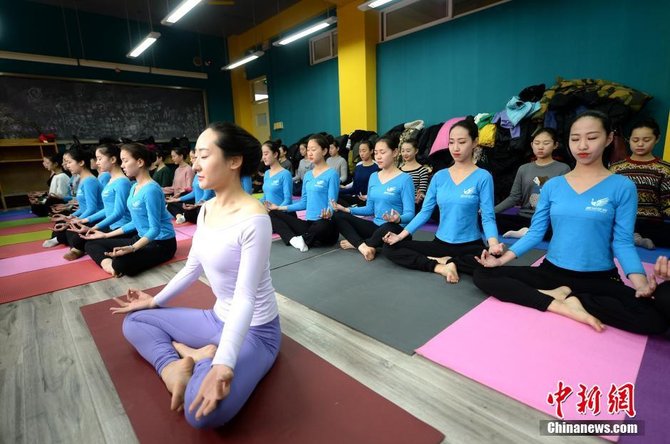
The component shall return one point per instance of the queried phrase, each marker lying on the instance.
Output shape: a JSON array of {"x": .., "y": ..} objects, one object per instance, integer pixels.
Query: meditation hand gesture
[
  {"x": 392, "y": 216},
  {"x": 488, "y": 260},
  {"x": 336, "y": 206},
  {"x": 326, "y": 213},
  {"x": 270, "y": 206},
  {"x": 497, "y": 249},
  {"x": 58, "y": 218},
  {"x": 419, "y": 197},
  {"x": 391, "y": 238},
  {"x": 78, "y": 227},
  {"x": 135, "y": 300},
  {"x": 214, "y": 388},
  {"x": 93, "y": 234},
  {"x": 171, "y": 199},
  {"x": 60, "y": 226},
  {"x": 187, "y": 206},
  {"x": 661, "y": 269},
  {"x": 121, "y": 251},
  {"x": 362, "y": 197}
]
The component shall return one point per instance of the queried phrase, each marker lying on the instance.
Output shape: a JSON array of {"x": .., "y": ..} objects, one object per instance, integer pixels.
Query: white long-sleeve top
[
  {"x": 236, "y": 261},
  {"x": 60, "y": 185}
]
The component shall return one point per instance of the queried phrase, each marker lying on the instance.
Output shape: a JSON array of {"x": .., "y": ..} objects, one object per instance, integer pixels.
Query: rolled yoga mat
[{"x": 303, "y": 399}]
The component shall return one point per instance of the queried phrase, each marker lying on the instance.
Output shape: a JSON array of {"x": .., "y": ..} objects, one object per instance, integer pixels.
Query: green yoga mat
[
  {"x": 24, "y": 237},
  {"x": 399, "y": 307},
  {"x": 21, "y": 222}
]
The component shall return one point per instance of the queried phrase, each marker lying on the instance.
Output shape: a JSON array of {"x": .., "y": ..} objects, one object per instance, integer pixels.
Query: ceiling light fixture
[{"x": 305, "y": 32}]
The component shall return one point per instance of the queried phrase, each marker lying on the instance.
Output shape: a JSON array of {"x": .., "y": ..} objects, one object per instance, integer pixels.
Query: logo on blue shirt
[
  {"x": 390, "y": 190},
  {"x": 469, "y": 193},
  {"x": 320, "y": 183},
  {"x": 275, "y": 182},
  {"x": 136, "y": 204},
  {"x": 598, "y": 205}
]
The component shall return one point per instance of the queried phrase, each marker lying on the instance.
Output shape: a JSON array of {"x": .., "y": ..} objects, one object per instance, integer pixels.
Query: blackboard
[{"x": 94, "y": 109}]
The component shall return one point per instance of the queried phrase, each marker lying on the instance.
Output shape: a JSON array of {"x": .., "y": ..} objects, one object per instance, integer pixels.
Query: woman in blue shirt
[
  {"x": 185, "y": 208},
  {"x": 320, "y": 187},
  {"x": 114, "y": 213},
  {"x": 88, "y": 193},
  {"x": 592, "y": 214},
  {"x": 390, "y": 199},
  {"x": 277, "y": 180},
  {"x": 462, "y": 192},
  {"x": 155, "y": 240}
]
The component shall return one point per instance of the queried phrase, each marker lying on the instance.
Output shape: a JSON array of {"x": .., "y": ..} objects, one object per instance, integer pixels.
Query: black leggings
[
  {"x": 602, "y": 293},
  {"x": 514, "y": 222},
  {"x": 320, "y": 232},
  {"x": 79, "y": 243},
  {"x": 357, "y": 230},
  {"x": 152, "y": 254},
  {"x": 658, "y": 232},
  {"x": 43, "y": 209},
  {"x": 414, "y": 254}
]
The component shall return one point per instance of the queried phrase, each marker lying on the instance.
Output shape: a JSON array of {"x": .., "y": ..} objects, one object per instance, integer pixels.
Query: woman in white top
[
  {"x": 211, "y": 360},
  {"x": 59, "y": 186}
]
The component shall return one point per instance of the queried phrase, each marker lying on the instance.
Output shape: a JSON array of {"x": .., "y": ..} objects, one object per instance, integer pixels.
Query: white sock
[
  {"x": 180, "y": 219},
  {"x": 50, "y": 243},
  {"x": 299, "y": 243},
  {"x": 518, "y": 234}
]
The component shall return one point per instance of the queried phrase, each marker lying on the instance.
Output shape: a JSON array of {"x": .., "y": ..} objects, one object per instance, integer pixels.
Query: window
[
  {"x": 408, "y": 16},
  {"x": 260, "y": 90},
  {"x": 323, "y": 47}
]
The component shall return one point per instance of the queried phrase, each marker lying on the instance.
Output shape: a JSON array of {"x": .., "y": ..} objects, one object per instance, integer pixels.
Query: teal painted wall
[
  {"x": 42, "y": 29},
  {"x": 305, "y": 98},
  {"x": 477, "y": 62}
]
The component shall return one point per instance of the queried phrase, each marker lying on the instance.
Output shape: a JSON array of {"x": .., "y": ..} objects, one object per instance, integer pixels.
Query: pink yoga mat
[
  {"x": 524, "y": 353},
  {"x": 186, "y": 229},
  {"x": 30, "y": 262},
  {"x": 23, "y": 248}
]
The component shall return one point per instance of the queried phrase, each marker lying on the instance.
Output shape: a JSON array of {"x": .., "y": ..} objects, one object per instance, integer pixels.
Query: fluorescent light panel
[
  {"x": 180, "y": 11},
  {"x": 373, "y": 4},
  {"x": 149, "y": 40},
  {"x": 241, "y": 62},
  {"x": 311, "y": 30}
]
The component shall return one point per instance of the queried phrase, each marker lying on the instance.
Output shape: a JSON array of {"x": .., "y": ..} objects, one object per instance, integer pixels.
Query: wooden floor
[{"x": 55, "y": 388}]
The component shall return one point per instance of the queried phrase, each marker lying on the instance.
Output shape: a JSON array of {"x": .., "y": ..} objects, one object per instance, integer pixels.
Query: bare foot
[
  {"x": 449, "y": 272},
  {"x": 560, "y": 293},
  {"x": 176, "y": 375},
  {"x": 367, "y": 252},
  {"x": 572, "y": 308},
  {"x": 73, "y": 255},
  {"x": 440, "y": 260},
  {"x": 197, "y": 354},
  {"x": 346, "y": 245},
  {"x": 106, "y": 265}
]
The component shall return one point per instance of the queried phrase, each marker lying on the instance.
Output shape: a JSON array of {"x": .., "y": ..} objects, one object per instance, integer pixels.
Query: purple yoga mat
[
  {"x": 652, "y": 392},
  {"x": 16, "y": 216}
]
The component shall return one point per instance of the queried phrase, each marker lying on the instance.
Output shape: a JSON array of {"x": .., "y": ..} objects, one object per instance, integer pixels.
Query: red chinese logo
[
  {"x": 621, "y": 399},
  {"x": 559, "y": 397},
  {"x": 589, "y": 400}
]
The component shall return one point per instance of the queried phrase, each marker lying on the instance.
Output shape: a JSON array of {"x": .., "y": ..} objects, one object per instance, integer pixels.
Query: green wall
[
  {"x": 41, "y": 29},
  {"x": 305, "y": 98},
  {"x": 477, "y": 62}
]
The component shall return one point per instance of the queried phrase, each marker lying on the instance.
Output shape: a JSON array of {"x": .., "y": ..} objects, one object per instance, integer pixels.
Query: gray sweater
[
  {"x": 527, "y": 184},
  {"x": 339, "y": 164}
]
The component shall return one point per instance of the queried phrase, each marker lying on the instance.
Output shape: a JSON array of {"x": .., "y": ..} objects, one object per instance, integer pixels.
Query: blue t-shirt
[
  {"x": 362, "y": 176},
  {"x": 317, "y": 192},
  {"x": 247, "y": 184},
  {"x": 149, "y": 216},
  {"x": 104, "y": 178},
  {"x": 396, "y": 194},
  {"x": 278, "y": 189},
  {"x": 115, "y": 212},
  {"x": 197, "y": 194},
  {"x": 590, "y": 228},
  {"x": 88, "y": 197},
  {"x": 460, "y": 206}
]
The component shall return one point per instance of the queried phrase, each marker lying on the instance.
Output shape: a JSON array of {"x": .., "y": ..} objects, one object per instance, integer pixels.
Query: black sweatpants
[
  {"x": 178, "y": 207},
  {"x": 320, "y": 232},
  {"x": 414, "y": 254},
  {"x": 602, "y": 293},
  {"x": 658, "y": 232},
  {"x": 43, "y": 209},
  {"x": 154, "y": 253},
  {"x": 357, "y": 230},
  {"x": 76, "y": 241},
  {"x": 514, "y": 222}
]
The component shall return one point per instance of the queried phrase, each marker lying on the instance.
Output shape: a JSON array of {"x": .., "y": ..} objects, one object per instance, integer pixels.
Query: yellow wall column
[
  {"x": 666, "y": 150},
  {"x": 357, "y": 34}
]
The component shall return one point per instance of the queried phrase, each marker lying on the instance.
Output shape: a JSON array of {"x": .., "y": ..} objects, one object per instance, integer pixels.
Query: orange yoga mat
[
  {"x": 47, "y": 280},
  {"x": 303, "y": 399}
]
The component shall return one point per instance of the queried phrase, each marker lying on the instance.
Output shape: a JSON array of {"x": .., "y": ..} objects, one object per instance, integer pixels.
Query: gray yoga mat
[
  {"x": 399, "y": 307},
  {"x": 282, "y": 255}
]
